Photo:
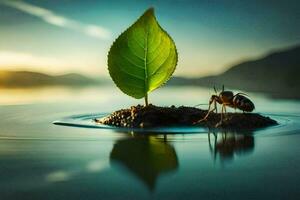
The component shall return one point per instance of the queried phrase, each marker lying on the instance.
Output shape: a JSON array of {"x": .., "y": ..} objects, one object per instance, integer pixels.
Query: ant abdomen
[{"x": 243, "y": 103}]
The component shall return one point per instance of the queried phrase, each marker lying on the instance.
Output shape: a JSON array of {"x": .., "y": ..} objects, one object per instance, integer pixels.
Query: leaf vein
[
  {"x": 132, "y": 62},
  {"x": 155, "y": 72},
  {"x": 130, "y": 74}
]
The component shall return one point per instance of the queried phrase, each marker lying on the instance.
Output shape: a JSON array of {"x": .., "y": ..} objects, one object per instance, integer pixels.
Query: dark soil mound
[{"x": 154, "y": 116}]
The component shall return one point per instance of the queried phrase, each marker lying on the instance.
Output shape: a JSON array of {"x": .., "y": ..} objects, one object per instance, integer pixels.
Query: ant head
[{"x": 223, "y": 89}]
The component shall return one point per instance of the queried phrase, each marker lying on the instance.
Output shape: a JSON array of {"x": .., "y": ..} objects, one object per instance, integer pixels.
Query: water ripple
[{"x": 288, "y": 124}]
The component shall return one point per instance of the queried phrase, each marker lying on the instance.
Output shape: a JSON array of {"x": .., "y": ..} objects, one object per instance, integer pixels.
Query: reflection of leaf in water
[{"x": 146, "y": 157}]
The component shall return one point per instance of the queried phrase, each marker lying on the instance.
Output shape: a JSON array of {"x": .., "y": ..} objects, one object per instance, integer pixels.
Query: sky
[{"x": 65, "y": 36}]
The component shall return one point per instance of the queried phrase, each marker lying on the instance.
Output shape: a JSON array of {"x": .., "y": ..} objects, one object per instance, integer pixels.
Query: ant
[{"x": 227, "y": 98}]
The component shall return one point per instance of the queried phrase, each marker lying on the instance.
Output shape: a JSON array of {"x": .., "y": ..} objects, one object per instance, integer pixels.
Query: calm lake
[{"x": 39, "y": 160}]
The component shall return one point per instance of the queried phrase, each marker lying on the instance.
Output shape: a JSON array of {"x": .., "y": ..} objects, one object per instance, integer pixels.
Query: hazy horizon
[{"x": 107, "y": 77}]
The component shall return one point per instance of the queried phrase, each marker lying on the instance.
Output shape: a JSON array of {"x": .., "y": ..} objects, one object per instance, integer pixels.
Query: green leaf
[{"x": 143, "y": 57}]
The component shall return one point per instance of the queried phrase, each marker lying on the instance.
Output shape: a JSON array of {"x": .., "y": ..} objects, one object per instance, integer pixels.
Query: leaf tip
[{"x": 149, "y": 11}]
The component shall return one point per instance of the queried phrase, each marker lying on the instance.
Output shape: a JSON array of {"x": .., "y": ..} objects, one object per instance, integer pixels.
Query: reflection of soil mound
[
  {"x": 151, "y": 116},
  {"x": 145, "y": 157}
]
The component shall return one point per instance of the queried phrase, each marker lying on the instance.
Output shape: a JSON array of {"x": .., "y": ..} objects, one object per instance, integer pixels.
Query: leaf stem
[{"x": 146, "y": 99}]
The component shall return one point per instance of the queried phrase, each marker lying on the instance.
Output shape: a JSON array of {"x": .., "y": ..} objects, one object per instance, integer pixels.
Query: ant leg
[
  {"x": 206, "y": 116},
  {"x": 208, "y": 112},
  {"x": 221, "y": 121},
  {"x": 215, "y": 103},
  {"x": 222, "y": 112}
]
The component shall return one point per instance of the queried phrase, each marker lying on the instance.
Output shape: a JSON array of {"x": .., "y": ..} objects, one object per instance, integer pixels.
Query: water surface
[{"x": 39, "y": 160}]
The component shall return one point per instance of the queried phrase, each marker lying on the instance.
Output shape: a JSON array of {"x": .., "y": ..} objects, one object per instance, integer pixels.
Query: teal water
[{"x": 39, "y": 160}]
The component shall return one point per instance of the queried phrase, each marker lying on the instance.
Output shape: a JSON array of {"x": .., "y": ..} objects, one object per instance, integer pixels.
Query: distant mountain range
[
  {"x": 17, "y": 79},
  {"x": 277, "y": 75}
]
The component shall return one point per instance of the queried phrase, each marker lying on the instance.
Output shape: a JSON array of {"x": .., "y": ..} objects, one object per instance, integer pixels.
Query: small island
[
  {"x": 137, "y": 67},
  {"x": 154, "y": 116}
]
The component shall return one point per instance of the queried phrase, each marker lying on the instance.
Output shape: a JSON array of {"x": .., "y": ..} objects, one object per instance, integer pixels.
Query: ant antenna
[
  {"x": 223, "y": 88},
  {"x": 215, "y": 90},
  {"x": 200, "y": 104}
]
